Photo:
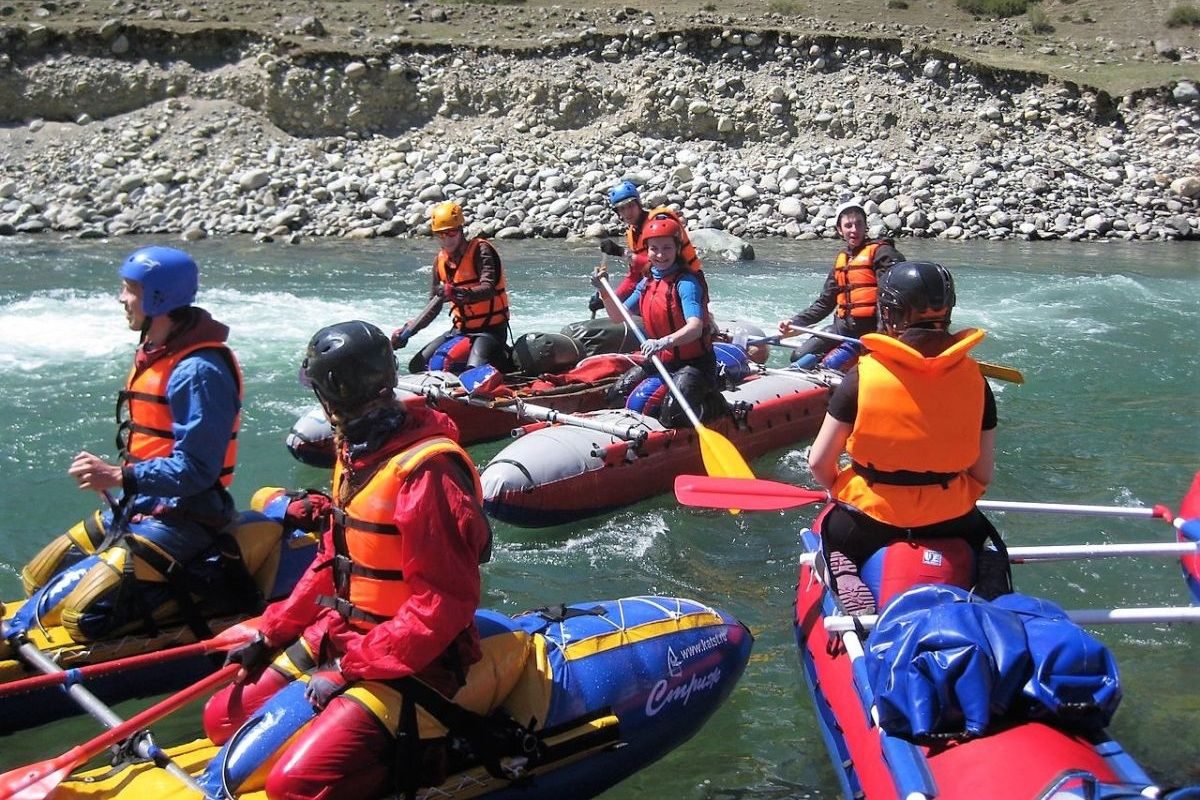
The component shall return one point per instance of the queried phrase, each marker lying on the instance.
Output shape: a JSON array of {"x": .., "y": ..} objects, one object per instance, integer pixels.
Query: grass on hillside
[{"x": 1183, "y": 15}]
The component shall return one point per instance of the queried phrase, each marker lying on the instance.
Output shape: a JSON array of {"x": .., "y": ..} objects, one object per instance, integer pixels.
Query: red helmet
[{"x": 663, "y": 226}]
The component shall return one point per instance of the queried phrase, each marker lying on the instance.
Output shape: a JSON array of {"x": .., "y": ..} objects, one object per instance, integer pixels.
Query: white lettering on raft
[{"x": 663, "y": 694}]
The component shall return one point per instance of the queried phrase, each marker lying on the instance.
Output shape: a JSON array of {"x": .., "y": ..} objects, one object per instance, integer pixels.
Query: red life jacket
[{"x": 662, "y": 313}]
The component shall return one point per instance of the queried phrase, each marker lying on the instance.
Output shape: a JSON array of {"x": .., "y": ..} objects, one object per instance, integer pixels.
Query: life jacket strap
[{"x": 903, "y": 477}]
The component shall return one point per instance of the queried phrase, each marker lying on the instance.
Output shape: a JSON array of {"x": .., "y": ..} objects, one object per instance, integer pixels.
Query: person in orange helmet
[{"x": 469, "y": 275}]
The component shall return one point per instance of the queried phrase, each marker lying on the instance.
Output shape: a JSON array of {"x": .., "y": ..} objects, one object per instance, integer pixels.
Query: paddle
[
  {"x": 747, "y": 494},
  {"x": 230, "y": 637},
  {"x": 432, "y": 391},
  {"x": 721, "y": 458},
  {"x": 38, "y": 781},
  {"x": 1083, "y": 616},
  {"x": 144, "y": 746},
  {"x": 990, "y": 370},
  {"x": 763, "y": 495}
]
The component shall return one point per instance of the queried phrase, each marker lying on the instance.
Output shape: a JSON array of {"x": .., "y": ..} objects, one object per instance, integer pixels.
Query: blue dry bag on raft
[
  {"x": 733, "y": 365},
  {"x": 944, "y": 663},
  {"x": 1074, "y": 679},
  {"x": 451, "y": 355},
  {"x": 941, "y": 664}
]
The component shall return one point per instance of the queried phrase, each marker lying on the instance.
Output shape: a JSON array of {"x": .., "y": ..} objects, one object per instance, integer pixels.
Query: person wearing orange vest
[
  {"x": 918, "y": 421},
  {"x": 627, "y": 203},
  {"x": 673, "y": 303},
  {"x": 849, "y": 292},
  {"x": 467, "y": 274},
  {"x": 179, "y": 415},
  {"x": 391, "y": 596}
]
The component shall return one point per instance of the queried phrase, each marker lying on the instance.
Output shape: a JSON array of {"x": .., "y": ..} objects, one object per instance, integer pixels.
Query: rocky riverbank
[{"x": 758, "y": 132}]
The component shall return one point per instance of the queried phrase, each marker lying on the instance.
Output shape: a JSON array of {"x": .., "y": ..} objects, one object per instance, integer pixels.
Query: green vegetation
[
  {"x": 789, "y": 8},
  {"x": 494, "y": 2},
  {"x": 994, "y": 8},
  {"x": 1183, "y": 15},
  {"x": 897, "y": 4},
  {"x": 1038, "y": 21}
]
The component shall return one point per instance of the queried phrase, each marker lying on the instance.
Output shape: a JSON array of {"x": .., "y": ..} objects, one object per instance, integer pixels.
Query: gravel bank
[{"x": 753, "y": 132}]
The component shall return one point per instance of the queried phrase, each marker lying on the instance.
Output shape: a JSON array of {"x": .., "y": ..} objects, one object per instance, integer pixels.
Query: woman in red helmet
[{"x": 673, "y": 303}]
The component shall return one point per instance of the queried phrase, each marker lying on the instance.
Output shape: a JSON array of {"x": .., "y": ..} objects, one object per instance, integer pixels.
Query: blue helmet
[
  {"x": 169, "y": 278},
  {"x": 625, "y": 190}
]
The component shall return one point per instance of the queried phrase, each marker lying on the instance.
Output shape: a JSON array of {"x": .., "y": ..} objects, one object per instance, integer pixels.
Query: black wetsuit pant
[
  {"x": 858, "y": 536},
  {"x": 488, "y": 346}
]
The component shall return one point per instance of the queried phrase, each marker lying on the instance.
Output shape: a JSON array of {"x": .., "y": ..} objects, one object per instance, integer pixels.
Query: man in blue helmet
[
  {"x": 143, "y": 559},
  {"x": 626, "y": 201}
]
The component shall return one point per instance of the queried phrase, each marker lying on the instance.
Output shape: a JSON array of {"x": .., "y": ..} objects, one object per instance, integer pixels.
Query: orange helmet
[
  {"x": 664, "y": 226},
  {"x": 447, "y": 216}
]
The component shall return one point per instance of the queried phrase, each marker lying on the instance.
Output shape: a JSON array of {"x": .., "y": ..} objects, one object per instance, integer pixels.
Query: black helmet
[
  {"x": 915, "y": 292},
  {"x": 349, "y": 364}
]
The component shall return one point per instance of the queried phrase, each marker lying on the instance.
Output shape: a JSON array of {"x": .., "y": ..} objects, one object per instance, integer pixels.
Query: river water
[{"x": 1106, "y": 335}]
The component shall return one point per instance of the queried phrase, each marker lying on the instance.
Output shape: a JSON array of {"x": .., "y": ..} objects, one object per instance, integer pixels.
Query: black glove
[
  {"x": 254, "y": 656},
  {"x": 595, "y": 303},
  {"x": 611, "y": 248}
]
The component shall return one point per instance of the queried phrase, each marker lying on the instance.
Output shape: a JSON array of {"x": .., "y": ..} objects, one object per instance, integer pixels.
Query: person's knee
[{"x": 226, "y": 710}]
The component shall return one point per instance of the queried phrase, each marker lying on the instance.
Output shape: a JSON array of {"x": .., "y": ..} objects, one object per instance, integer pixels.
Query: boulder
[{"x": 711, "y": 241}]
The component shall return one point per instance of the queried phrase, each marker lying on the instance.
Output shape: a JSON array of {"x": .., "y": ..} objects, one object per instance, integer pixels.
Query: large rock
[
  {"x": 1186, "y": 187},
  {"x": 711, "y": 241}
]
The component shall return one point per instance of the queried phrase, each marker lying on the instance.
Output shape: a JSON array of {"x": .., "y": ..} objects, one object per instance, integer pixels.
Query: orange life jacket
[
  {"x": 474, "y": 315},
  {"x": 857, "y": 286},
  {"x": 916, "y": 433},
  {"x": 368, "y": 547},
  {"x": 636, "y": 242},
  {"x": 146, "y": 412},
  {"x": 662, "y": 313}
]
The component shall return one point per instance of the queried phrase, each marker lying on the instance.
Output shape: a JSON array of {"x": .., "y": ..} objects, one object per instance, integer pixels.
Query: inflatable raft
[
  {"x": 881, "y": 697},
  {"x": 555, "y": 474},
  {"x": 120, "y": 668},
  {"x": 596, "y": 691},
  {"x": 541, "y": 358}
]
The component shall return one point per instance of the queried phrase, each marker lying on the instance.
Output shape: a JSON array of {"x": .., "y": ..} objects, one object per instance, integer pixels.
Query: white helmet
[{"x": 847, "y": 206}]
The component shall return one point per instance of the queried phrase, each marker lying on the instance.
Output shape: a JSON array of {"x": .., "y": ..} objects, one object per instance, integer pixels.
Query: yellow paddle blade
[
  {"x": 1001, "y": 373},
  {"x": 721, "y": 458}
]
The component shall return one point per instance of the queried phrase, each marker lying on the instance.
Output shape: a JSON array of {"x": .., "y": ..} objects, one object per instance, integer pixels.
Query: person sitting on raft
[
  {"x": 673, "y": 304},
  {"x": 467, "y": 274},
  {"x": 918, "y": 421},
  {"x": 627, "y": 203},
  {"x": 178, "y": 414},
  {"x": 849, "y": 291},
  {"x": 392, "y": 596}
]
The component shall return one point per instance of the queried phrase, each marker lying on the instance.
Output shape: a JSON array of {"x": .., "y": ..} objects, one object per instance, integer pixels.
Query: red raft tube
[{"x": 1015, "y": 758}]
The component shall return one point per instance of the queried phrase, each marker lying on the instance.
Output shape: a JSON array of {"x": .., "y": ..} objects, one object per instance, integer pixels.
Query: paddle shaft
[
  {"x": 36, "y": 682},
  {"x": 707, "y": 492},
  {"x": 1084, "y": 616},
  {"x": 990, "y": 370},
  {"x": 535, "y": 412},
  {"x": 1033, "y": 553},
  {"x": 44, "y": 776},
  {"x": 144, "y": 747}
]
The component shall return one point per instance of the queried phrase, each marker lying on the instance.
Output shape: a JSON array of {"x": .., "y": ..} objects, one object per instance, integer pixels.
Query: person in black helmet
[
  {"x": 394, "y": 592},
  {"x": 849, "y": 292},
  {"x": 918, "y": 421}
]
